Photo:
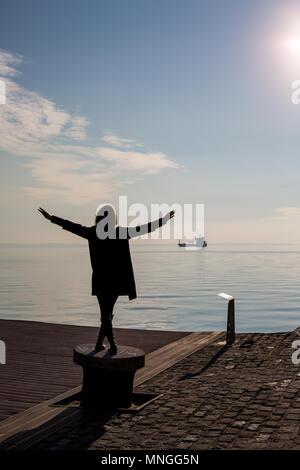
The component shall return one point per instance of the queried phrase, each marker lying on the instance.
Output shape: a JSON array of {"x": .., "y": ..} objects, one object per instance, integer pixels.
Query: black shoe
[
  {"x": 99, "y": 347},
  {"x": 113, "y": 350}
]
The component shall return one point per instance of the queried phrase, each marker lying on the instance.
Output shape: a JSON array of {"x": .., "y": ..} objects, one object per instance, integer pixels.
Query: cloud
[
  {"x": 63, "y": 176},
  {"x": 7, "y": 62},
  {"x": 62, "y": 162},
  {"x": 287, "y": 212},
  {"x": 147, "y": 162},
  {"x": 116, "y": 141}
]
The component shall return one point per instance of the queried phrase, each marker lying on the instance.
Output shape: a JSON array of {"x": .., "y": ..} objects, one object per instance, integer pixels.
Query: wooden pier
[
  {"x": 40, "y": 371},
  {"x": 40, "y": 361}
]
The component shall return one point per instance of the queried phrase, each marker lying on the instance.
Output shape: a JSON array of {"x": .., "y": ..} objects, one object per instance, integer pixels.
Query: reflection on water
[{"x": 177, "y": 289}]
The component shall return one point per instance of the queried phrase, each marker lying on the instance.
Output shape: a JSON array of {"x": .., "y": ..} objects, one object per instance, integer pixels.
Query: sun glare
[{"x": 295, "y": 44}]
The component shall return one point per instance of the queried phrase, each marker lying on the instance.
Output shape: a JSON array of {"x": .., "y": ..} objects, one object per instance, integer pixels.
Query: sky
[{"x": 163, "y": 101}]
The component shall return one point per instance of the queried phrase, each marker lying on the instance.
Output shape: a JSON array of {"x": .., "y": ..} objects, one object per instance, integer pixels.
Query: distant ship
[{"x": 198, "y": 243}]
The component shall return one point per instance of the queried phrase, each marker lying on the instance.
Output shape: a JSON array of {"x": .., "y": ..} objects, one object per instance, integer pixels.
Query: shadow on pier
[{"x": 87, "y": 426}]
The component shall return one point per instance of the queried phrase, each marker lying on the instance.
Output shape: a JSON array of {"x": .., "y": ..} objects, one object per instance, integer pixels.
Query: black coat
[{"x": 110, "y": 257}]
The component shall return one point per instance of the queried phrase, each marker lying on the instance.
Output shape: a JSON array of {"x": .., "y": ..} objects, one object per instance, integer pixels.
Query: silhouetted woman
[{"x": 112, "y": 272}]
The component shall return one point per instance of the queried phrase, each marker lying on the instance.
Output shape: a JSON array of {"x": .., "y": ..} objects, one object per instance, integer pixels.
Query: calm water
[{"x": 177, "y": 289}]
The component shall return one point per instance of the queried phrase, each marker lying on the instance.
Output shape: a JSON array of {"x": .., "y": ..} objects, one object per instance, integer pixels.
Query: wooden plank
[
  {"x": 15, "y": 422},
  {"x": 54, "y": 422}
]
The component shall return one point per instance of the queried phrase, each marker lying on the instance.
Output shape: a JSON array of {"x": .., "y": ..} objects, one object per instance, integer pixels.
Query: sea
[{"x": 177, "y": 288}]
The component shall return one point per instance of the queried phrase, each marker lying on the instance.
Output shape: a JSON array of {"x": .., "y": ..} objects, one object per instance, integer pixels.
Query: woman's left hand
[{"x": 44, "y": 213}]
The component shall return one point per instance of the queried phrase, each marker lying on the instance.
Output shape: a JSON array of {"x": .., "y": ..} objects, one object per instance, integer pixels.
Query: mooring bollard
[
  {"x": 230, "y": 336},
  {"x": 108, "y": 380}
]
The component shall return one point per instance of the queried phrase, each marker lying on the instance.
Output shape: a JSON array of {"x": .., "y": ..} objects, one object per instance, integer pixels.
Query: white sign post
[
  {"x": 2, "y": 352},
  {"x": 230, "y": 336}
]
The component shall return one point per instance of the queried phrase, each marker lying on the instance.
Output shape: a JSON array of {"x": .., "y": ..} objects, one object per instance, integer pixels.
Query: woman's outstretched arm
[
  {"x": 150, "y": 226},
  {"x": 78, "y": 229}
]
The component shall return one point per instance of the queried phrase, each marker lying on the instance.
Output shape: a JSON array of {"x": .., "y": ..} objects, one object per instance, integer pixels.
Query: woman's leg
[{"x": 106, "y": 303}]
